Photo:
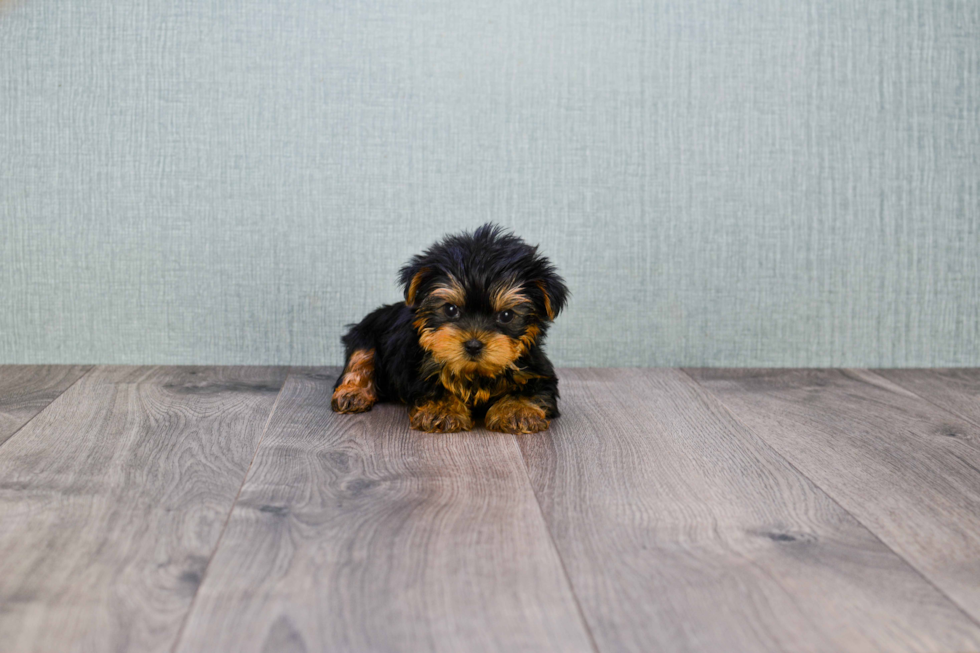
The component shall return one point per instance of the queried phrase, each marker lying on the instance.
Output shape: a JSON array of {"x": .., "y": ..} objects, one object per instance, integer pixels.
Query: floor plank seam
[
  {"x": 764, "y": 442},
  {"x": 969, "y": 420},
  {"x": 224, "y": 527},
  {"x": 554, "y": 547},
  {"x": 60, "y": 394}
]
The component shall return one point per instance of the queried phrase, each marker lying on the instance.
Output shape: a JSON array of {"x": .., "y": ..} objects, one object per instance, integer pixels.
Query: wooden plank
[
  {"x": 26, "y": 389},
  {"x": 905, "y": 468},
  {"x": 682, "y": 531},
  {"x": 956, "y": 390},
  {"x": 355, "y": 533},
  {"x": 112, "y": 500}
]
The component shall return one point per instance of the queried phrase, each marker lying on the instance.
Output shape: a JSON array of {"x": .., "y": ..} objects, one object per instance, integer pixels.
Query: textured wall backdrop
[{"x": 722, "y": 183}]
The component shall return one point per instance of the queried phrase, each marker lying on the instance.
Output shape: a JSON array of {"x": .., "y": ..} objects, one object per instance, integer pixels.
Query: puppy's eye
[
  {"x": 451, "y": 310},
  {"x": 505, "y": 316}
]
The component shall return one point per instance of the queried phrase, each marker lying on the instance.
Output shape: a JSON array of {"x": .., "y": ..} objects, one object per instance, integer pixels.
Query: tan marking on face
[
  {"x": 413, "y": 287},
  {"x": 446, "y": 345},
  {"x": 356, "y": 392},
  {"x": 499, "y": 353},
  {"x": 528, "y": 339},
  {"x": 507, "y": 296},
  {"x": 453, "y": 294}
]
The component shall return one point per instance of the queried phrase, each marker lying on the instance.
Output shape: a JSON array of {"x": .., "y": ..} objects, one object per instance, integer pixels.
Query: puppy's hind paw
[{"x": 348, "y": 399}]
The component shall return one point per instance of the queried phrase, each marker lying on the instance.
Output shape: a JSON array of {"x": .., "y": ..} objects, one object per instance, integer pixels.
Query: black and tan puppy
[{"x": 466, "y": 342}]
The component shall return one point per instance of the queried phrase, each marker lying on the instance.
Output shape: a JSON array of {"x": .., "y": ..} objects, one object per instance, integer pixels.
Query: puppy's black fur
[{"x": 467, "y": 340}]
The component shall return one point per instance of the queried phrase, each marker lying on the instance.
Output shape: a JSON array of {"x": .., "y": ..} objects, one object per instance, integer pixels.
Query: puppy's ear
[
  {"x": 412, "y": 277},
  {"x": 554, "y": 294}
]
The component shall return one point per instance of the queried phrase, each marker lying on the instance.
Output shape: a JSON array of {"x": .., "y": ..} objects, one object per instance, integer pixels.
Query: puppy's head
[{"x": 481, "y": 300}]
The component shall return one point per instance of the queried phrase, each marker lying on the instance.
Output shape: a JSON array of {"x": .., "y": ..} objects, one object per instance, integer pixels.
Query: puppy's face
[
  {"x": 476, "y": 330},
  {"x": 481, "y": 301}
]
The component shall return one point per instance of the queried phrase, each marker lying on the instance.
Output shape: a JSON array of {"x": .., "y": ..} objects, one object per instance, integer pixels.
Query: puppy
[{"x": 466, "y": 342}]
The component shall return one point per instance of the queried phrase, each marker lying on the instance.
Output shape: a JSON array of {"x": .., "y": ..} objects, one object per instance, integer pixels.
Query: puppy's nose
[{"x": 473, "y": 347}]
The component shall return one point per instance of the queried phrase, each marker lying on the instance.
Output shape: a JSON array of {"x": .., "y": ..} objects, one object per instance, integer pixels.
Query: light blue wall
[{"x": 721, "y": 182}]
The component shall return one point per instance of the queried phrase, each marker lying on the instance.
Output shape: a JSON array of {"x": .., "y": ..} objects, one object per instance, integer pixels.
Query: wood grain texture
[
  {"x": 354, "y": 533},
  {"x": 26, "y": 389},
  {"x": 682, "y": 531},
  {"x": 112, "y": 500},
  {"x": 905, "y": 468},
  {"x": 956, "y": 390}
]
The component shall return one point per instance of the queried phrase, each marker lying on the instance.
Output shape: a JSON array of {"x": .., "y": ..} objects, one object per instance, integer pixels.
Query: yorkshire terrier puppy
[{"x": 466, "y": 342}]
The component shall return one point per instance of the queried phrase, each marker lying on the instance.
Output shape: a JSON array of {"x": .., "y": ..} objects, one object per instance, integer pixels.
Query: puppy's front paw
[
  {"x": 444, "y": 416},
  {"x": 352, "y": 399},
  {"x": 516, "y": 415}
]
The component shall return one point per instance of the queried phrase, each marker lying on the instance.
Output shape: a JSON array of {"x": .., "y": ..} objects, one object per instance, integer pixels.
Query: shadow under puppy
[{"x": 466, "y": 342}]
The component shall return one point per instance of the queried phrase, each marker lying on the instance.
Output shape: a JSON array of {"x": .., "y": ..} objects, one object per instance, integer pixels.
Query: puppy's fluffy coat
[{"x": 465, "y": 343}]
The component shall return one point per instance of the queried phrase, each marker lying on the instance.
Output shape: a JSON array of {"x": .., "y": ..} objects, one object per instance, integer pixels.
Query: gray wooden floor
[{"x": 227, "y": 509}]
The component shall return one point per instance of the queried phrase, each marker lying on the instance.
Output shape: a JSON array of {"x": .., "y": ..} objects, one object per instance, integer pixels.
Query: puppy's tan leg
[
  {"x": 513, "y": 414},
  {"x": 356, "y": 392},
  {"x": 445, "y": 415}
]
